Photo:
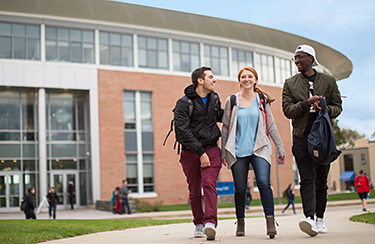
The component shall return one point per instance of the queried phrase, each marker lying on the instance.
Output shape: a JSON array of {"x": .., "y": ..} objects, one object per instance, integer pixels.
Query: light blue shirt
[{"x": 247, "y": 128}]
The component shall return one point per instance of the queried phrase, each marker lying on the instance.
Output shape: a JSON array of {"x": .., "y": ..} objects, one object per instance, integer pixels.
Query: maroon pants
[{"x": 198, "y": 178}]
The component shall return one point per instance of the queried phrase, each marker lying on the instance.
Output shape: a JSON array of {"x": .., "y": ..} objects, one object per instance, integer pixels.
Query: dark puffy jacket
[
  {"x": 199, "y": 132},
  {"x": 29, "y": 200}
]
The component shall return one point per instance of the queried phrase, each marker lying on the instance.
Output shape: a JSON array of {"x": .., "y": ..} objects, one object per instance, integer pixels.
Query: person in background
[
  {"x": 29, "y": 203},
  {"x": 247, "y": 127},
  {"x": 53, "y": 200},
  {"x": 301, "y": 104},
  {"x": 290, "y": 197},
  {"x": 117, "y": 202},
  {"x": 248, "y": 198},
  {"x": 124, "y": 196},
  {"x": 71, "y": 194},
  {"x": 363, "y": 188}
]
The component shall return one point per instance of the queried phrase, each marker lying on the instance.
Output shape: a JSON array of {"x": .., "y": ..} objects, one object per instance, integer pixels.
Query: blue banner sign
[{"x": 225, "y": 188}]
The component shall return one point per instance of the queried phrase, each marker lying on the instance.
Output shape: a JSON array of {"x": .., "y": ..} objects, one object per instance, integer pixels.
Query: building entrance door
[
  {"x": 10, "y": 191},
  {"x": 62, "y": 181}
]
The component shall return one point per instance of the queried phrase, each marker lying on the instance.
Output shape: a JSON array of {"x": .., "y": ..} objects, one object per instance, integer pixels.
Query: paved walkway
[{"x": 341, "y": 230}]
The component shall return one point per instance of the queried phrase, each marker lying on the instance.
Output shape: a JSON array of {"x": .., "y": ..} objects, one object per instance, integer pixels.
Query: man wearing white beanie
[{"x": 301, "y": 94}]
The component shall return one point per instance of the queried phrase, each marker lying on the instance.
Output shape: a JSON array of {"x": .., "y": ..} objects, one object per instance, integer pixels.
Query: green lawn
[
  {"x": 34, "y": 231},
  {"x": 368, "y": 218},
  {"x": 256, "y": 202}
]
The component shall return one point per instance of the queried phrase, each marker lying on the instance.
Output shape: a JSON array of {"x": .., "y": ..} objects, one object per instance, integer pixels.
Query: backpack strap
[
  {"x": 263, "y": 107},
  {"x": 232, "y": 103},
  {"x": 191, "y": 107}
]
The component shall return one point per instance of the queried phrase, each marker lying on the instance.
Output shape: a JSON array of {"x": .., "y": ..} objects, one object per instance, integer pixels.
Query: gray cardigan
[{"x": 263, "y": 145}]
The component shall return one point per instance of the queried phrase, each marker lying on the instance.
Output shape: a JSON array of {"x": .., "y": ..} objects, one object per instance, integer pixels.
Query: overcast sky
[{"x": 345, "y": 25}]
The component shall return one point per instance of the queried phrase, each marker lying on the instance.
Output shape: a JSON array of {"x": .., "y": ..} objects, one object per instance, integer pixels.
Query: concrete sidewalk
[{"x": 341, "y": 230}]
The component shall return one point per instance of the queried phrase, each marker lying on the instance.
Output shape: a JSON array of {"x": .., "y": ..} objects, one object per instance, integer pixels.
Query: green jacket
[{"x": 296, "y": 95}]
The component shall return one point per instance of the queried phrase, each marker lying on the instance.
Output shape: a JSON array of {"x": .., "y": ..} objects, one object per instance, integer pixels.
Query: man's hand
[
  {"x": 205, "y": 160},
  {"x": 314, "y": 99}
]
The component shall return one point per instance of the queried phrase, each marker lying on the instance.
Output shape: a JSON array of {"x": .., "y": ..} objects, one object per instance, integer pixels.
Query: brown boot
[
  {"x": 240, "y": 227},
  {"x": 271, "y": 228}
]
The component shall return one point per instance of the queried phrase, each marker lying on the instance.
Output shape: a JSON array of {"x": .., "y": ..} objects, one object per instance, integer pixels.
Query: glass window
[
  {"x": 264, "y": 64},
  {"x": 363, "y": 158},
  {"x": 282, "y": 70},
  {"x": 217, "y": 58},
  {"x": 241, "y": 59},
  {"x": 116, "y": 49},
  {"x": 152, "y": 52},
  {"x": 67, "y": 134},
  {"x": 348, "y": 162},
  {"x": 19, "y": 41},
  {"x": 185, "y": 56},
  {"x": 69, "y": 45},
  {"x": 143, "y": 100}
]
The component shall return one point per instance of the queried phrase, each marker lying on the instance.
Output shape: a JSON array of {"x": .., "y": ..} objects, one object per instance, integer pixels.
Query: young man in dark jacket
[
  {"x": 29, "y": 200},
  {"x": 301, "y": 94},
  {"x": 200, "y": 158},
  {"x": 52, "y": 201}
]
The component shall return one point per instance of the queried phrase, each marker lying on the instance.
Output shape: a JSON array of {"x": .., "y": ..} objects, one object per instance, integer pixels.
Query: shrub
[{"x": 144, "y": 206}]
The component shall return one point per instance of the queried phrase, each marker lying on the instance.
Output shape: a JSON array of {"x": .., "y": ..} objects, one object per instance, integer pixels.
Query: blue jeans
[
  {"x": 262, "y": 170},
  {"x": 52, "y": 207},
  {"x": 290, "y": 202},
  {"x": 30, "y": 214},
  {"x": 125, "y": 202}
]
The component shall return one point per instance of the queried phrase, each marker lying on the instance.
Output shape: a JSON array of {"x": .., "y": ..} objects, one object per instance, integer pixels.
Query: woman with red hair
[{"x": 247, "y": 125}]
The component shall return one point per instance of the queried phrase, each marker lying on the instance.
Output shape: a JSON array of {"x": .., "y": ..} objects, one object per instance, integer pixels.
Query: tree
[{"x": 345, "y": 138}]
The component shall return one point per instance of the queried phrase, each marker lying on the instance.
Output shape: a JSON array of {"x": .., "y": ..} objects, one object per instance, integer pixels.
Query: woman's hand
[
  {"x": 281, "y": 160},
  {"x": 224, "y": 162}
]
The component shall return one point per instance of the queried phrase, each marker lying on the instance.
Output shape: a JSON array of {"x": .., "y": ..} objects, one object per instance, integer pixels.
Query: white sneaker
[
  {"x": 198, "y": 233},
  {"x": 321, "y": 225},
  {"x": 308, "y": 226},
  {"x": 210, "y": 231}
]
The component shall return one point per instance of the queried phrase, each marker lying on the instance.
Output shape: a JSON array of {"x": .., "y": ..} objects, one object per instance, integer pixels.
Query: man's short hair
[
  {"x": 123, "y": 181},
  {"x": 199, "y": 73},
  {"x": 30, "y": 188}
]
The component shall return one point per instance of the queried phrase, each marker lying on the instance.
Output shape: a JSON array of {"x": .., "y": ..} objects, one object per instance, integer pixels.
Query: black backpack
[
  {"x": 191, "y": 107},
  {"x": 321, "y": 143},
  {"x": 23, "y": 206}
]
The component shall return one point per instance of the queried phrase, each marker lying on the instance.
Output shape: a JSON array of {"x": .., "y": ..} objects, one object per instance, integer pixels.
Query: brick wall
[{"x": 166, "y": 89}]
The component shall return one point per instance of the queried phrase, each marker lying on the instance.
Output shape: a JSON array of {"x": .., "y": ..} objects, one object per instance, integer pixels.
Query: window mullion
[{"x": 139, "y": 141}]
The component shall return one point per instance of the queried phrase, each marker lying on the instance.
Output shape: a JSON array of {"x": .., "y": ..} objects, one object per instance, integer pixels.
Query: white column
[
  {"x": 42, "y": 143},
  {"x": 139, "y": 141},
  {"x": 95, "y": 139}
]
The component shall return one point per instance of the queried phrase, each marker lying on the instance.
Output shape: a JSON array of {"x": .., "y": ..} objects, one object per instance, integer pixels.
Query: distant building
[
  {"x": 87, "y": 90},
  {"x": 351, "y": 161}
]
